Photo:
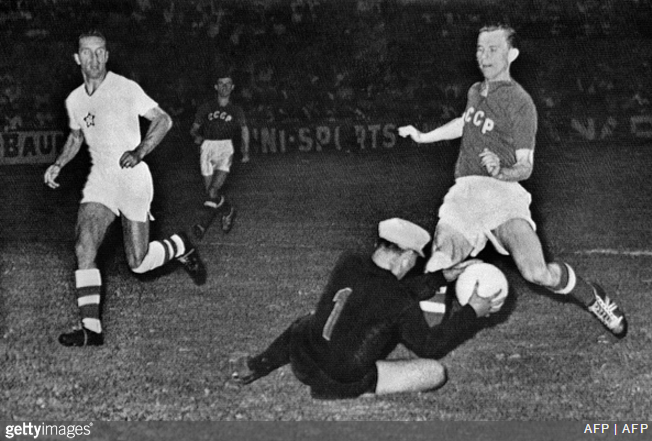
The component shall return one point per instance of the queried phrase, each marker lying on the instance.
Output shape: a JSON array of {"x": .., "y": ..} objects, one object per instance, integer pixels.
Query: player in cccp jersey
[
  {"x": 104, "y": 112},
  {"x": 487, "y": 202},
  {"x": 217, "y": 124}
]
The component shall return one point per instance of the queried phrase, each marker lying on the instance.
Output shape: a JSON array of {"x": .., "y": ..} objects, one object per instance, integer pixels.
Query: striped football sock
[
  {"x": 89, "y": 287},
  {"x": 161, "y": 252}
]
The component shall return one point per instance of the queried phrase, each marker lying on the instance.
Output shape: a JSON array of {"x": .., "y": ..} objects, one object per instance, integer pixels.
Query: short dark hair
[
  {"x": 390, "y": 246},
  {"x": 510, "y": 32},
  {"x": 91, "y": 33},
  {"x": 222, "y": 70}
]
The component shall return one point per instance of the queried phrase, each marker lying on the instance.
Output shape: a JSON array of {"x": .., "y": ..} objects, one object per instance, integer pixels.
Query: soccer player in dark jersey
[
  {"x": 367, "y": 308},
  {"x": 217, "y": 124},
  {"x": 487, "y": 202}
]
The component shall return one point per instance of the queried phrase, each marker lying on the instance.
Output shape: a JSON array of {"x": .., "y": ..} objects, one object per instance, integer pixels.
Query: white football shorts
[
  {"x": 215, "y": 155},
  {"x": 476, "y": 205},
  {"x": 125, "y": 191}
]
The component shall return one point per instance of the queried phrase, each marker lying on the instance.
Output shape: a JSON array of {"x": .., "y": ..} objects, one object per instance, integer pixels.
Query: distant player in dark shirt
[
  {"x": 366, "y": 310},
  {"x": 217, "y": 124}
]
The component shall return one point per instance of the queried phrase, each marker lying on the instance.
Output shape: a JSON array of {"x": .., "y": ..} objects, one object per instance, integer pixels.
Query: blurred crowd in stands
[{"x": 315, "y": 60}]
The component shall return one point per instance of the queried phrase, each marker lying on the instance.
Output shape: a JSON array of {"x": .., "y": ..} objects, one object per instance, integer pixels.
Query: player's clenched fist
[
  {"x": 51, "y": 175},
  {"x": 490, "y": 161},
  {"x": 129, "y": 159},
  {"x": 410, "y": 131}
]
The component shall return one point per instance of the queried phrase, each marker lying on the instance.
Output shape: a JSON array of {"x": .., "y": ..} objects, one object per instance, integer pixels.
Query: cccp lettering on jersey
[
  {"x": 479, "y": 119},
  {"x": 219, "y": 115}
]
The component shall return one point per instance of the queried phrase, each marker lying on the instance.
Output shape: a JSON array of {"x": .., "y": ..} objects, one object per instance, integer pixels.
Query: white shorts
[
  {"x": 125, "y": 191},
  {"x": 476, "y": 205},
  {"x": 215, "y": 155}
]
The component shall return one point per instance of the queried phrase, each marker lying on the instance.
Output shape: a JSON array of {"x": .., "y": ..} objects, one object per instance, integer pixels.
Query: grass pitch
[{"x": 168, "y": 341}]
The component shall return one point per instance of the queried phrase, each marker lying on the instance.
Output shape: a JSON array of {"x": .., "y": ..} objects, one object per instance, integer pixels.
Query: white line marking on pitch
[
  {"x": 608, "y": 251},
  {"x": 600, "y": 251}
]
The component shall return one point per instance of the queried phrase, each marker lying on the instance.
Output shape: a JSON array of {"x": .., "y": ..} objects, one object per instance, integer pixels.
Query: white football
[{"x": 490, "y": 280}]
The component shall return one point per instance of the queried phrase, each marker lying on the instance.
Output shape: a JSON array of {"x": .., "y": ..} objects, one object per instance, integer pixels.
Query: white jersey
[{"x": 109, "y": 117}]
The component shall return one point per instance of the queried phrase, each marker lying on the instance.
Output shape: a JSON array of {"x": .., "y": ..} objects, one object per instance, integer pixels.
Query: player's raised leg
[
  {"x": 93, "y": 220},
  {"x": 144, "y": 256},
  {"x": 521, "y": 241}
]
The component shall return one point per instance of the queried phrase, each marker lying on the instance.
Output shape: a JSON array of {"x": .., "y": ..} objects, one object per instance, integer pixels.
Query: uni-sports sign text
[
  {"x": 42, "y": 147},
  {"x": 316, "y": 137}
]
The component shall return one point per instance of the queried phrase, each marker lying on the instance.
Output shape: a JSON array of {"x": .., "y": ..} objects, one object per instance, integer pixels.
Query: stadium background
[
  {"x": 308, "y": 61},
  {"x": 337, "y": 77}
]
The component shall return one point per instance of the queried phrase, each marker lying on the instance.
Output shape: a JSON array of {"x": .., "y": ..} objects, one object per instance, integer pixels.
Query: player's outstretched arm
[
  {"x": 70, "y": 150},
  {"x": 451, "y": 130},
  {"x": 437, "y": 341}
]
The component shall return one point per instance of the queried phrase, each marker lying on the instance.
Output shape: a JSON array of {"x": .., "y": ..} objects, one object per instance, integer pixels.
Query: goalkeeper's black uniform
[{"x": 363, "y": 314}]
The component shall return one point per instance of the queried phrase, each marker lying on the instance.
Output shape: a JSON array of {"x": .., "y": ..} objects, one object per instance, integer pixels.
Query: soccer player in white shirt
[{"x": 104, "y": 112}]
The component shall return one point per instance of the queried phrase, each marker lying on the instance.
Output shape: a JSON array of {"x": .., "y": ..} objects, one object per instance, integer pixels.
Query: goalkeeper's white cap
[{"x": 405, "y": 234}]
